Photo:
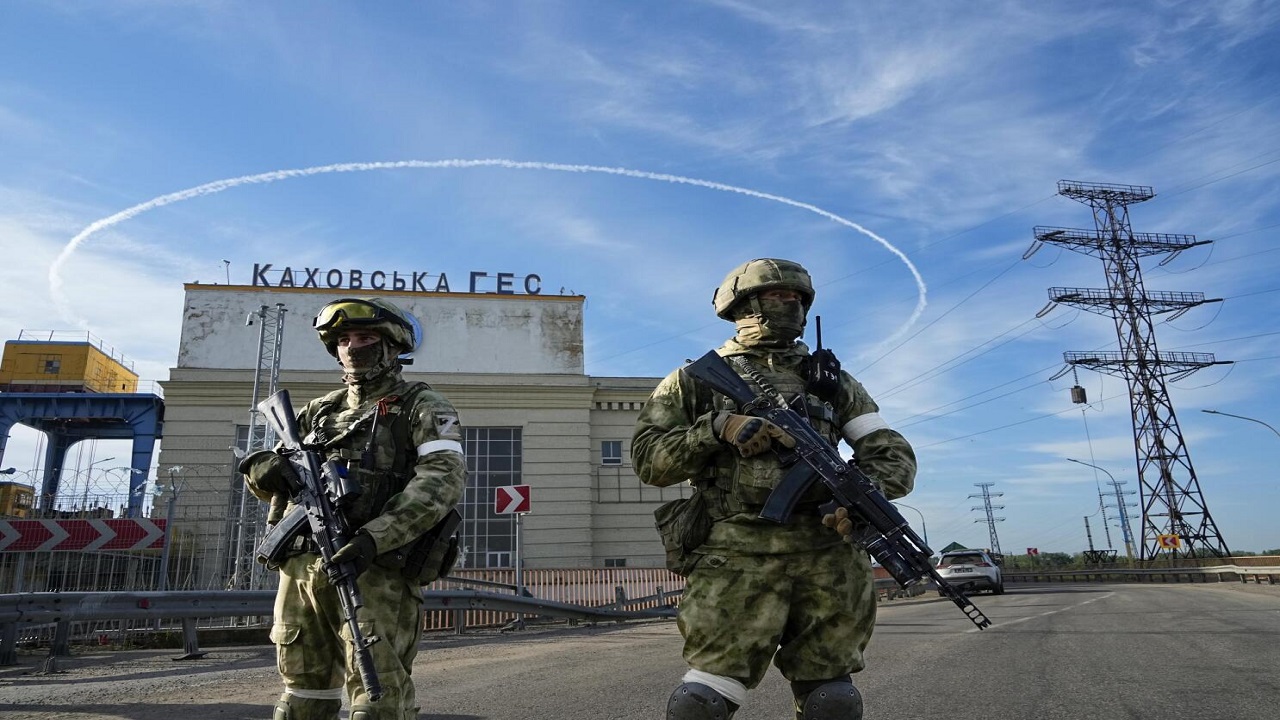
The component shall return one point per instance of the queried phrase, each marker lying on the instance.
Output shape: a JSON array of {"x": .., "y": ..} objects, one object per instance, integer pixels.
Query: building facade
[{"x": 512, "y": 364}]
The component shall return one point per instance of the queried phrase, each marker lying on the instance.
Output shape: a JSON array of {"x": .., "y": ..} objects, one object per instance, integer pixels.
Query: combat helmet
[
  {"x": 761, "y": 274},
  {"x": 376, "y": 314}
]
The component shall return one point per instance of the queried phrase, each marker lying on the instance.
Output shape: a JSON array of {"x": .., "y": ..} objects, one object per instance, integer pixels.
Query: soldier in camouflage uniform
[
  {"x": 796, "y": 593},
  {"x": 408, "y": 484}
]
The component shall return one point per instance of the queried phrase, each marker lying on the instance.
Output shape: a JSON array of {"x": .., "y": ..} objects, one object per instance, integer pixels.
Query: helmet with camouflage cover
[
  {"x": 760, "y": 274},
  {"x": 381, "y": 316}
]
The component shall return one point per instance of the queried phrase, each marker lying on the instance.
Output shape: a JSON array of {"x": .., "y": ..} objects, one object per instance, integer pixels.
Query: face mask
[
  {"x": 367, "y": 362},
  {"x": 777, "y": 324}
]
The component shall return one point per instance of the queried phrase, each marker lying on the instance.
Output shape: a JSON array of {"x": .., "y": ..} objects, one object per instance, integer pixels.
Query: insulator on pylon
[{"x": 1078, "y": 395}]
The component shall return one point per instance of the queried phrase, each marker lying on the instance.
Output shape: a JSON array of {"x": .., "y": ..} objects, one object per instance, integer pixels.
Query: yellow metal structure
[
  {"x": 59, "y": 367},
  {"x": 16, "y": 499}
]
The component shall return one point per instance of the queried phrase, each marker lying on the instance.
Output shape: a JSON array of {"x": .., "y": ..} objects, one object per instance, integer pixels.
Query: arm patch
[{"x": 447, "y": 426}]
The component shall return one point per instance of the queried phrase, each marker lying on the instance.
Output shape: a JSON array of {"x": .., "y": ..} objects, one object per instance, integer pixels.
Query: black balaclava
[
  {"x": 769, "y": 323},
  {"x": 371, "y": 362}
]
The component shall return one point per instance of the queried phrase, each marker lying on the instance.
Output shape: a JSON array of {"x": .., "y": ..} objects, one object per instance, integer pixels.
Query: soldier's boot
[
  {"x": 695, "y": 701},
  {"x": 292, "y": 707},
  {"x": 834, "y": 699}
]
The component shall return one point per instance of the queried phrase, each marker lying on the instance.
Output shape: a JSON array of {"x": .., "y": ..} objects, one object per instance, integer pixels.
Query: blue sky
[{"x": 940, "y": 127}]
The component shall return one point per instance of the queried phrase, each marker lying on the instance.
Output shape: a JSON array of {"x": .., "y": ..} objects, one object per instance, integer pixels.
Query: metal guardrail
[
  {"x": 63, "y": 609},
  {"x": 1208, "y": 573}
]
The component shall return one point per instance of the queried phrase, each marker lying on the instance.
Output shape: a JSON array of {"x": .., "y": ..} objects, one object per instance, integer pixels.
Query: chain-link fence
[{"x": 193, "y": 530}]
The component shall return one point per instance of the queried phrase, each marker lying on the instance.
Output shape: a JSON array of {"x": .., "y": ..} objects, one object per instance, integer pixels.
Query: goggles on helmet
[{"x": 354, "y": 312}]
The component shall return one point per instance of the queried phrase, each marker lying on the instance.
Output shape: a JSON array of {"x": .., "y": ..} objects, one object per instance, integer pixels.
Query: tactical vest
[
  {"x": 735, "y": 484},
  {"x": 372, "y": 446}
]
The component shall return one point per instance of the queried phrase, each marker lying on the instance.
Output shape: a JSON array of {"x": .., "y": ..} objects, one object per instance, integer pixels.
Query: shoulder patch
[{"x": 447, "y": 425}]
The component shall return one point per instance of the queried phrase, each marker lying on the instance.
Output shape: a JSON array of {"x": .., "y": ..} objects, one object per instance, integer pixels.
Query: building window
[
  {"x": 611, "y": 452},
  {"x": 494, "y": 459},
  {"x": 53, "y": 365},
  {"x": 615, "y": 562}
]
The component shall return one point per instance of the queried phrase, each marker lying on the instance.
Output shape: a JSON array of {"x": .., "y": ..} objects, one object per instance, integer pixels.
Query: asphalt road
[{"x": 1095, "y": 651}]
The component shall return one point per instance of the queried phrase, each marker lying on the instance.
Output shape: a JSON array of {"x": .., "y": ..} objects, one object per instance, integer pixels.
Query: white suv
[{"x": 971, "y": 570}]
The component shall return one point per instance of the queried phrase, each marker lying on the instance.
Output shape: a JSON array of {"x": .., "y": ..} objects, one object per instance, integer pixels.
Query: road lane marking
[{"x": 1044, "y": 614}]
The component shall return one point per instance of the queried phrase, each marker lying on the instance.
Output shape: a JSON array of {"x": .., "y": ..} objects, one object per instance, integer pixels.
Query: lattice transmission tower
[
  {"x": 989, "y": 515},
  {"x": 1175, "y": 520},
  {"x": 247, "y": 517}
]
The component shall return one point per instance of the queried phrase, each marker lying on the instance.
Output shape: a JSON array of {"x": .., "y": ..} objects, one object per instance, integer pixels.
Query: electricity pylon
[
  {"x": 1175, "y": 519},
  {"x": 990, "y": 518}
]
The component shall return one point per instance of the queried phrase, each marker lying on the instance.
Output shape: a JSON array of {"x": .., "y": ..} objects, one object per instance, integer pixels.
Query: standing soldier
[
  {"x": 402, "y": 443},
  {"x": 794, "y": 592}
]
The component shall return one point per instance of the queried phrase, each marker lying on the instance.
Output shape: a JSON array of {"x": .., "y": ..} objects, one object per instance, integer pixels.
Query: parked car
[{"x": 971, "y": 570}]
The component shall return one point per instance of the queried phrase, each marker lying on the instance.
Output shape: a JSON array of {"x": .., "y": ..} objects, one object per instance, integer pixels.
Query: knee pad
[
  {"x": 830, "y": 700},
  {"x": 292, "y": 707},
  {"x": 373, "y": 712},
  {"x": 695, "y": 701}
]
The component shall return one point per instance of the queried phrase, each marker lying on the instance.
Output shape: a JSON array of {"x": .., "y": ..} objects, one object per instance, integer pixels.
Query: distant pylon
[
  {"x": 990, "y": 518},
  {"x": 1173, "y": 506}
]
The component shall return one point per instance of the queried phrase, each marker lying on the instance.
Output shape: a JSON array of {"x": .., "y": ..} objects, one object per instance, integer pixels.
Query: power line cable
[
  {"x": 1224, "y": 177},
  {"x": 947, "y": 365},
  {"x": 933, "y": 322},
  {"x": 977, "y": 394}
]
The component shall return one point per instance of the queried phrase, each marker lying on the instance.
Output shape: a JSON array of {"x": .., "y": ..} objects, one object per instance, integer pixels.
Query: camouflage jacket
[
  {"x": 393, "y": 508},
  {"x": 674, "y": 442}
]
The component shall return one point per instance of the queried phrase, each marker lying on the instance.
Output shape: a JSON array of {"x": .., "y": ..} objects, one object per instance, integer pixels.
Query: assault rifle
[
  {"x": 317, "y": 502},
  {"x": 878, "y": 526}
]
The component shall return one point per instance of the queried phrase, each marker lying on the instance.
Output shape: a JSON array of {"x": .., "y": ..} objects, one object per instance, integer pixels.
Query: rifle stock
[
  {"x": 316, "y": 510},
  {"x": 880, "y": 529}
]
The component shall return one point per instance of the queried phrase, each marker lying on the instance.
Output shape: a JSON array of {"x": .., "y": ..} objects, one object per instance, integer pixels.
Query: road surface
[{"x": 1092, "y": 651}]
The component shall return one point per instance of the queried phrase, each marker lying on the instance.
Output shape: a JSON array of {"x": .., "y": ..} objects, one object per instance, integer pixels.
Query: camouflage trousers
[
  {"x": 812, "y": 613},
  {"x": 313, "y": 643}
]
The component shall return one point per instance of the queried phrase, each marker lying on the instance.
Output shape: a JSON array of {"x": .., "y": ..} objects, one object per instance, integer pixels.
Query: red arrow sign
[
  {"x": 65, "y": 535},
  {"x": 511, "y": 499}
]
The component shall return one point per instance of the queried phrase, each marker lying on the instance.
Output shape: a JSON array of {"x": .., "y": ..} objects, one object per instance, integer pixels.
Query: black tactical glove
[
  {"x": 840, "y": 522},
  {"x": 268, "y": 474},
  {"x": 360, "y": 552},
  {"x": 751, "y": 435}
]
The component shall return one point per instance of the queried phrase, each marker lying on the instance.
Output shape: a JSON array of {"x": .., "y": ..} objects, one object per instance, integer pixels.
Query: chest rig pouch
[{"x": 747, "y": 482}]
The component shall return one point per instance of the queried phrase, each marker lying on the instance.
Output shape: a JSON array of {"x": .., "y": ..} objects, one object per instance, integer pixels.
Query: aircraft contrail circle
[{"x": 217, "y": 186}]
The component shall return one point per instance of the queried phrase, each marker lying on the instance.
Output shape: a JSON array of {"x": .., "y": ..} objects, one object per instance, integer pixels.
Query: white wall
[{"x": 465, "y": 333}]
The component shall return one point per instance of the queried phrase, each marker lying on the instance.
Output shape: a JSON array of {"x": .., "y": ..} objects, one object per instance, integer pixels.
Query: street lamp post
[
  {"x": 132, "y": 494},
  {"x": 924, "y": 530},
  {"x": 88, "y": 480},
  {"x": 1124, "y": 516},
  {"x": 1242, "y": 417},
  {"x": 168, "y": 529}
]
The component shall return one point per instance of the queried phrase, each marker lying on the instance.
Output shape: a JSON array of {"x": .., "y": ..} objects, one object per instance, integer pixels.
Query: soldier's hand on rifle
[
  {"x": 751, "y": 435},
  {"x": 267, "y": 474},
  {"x": 360, "y": 552},
  {"x": 840, "y": 522}
]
